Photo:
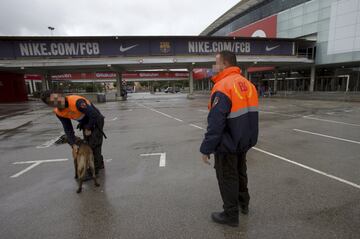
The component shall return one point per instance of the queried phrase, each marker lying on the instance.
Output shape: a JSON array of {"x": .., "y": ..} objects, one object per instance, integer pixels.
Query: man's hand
[
  {"x": 87, "y": 132},
  {"x": 206, "y": 159},
  {"x": 75, "y": 149}
]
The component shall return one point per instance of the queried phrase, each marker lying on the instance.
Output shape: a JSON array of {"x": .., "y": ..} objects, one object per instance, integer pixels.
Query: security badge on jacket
[
  {"x": 215, "y": 102},
  {"x": 83, "y": 105}
]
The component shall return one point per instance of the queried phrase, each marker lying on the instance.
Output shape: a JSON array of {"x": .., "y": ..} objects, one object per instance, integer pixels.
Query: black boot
[
  {"x": 245, "y": 209},
  {"x": 222, "y": 218}
]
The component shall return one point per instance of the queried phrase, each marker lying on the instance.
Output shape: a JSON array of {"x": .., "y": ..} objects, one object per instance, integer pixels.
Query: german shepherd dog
[{"x": 84, "y": 160}]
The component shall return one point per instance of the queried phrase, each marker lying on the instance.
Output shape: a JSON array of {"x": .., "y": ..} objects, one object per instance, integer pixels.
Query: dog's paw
[
  {"x": 78, "y": 191},
  {"x": 76, "y": 177},
  {"x": 97, "y": 185}
]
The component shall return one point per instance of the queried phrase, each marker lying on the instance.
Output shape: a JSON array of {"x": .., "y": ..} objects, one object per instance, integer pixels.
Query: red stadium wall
[
  {"x": 12, "y": 87},
  {"x": 263, "y": 28}
]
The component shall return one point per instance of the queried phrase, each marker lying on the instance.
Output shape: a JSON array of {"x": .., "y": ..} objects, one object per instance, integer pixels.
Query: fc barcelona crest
[{"x": 165, "y": 47}]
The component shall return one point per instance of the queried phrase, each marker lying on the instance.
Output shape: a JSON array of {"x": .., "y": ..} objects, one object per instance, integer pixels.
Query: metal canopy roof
[{"x": 239, "y": 8}]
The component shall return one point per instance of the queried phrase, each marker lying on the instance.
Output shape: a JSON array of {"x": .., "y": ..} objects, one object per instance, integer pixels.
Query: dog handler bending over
[{"x": 91, "y": 121}]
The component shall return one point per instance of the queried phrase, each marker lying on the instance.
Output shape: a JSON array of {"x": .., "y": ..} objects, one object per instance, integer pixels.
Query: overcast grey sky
[{"x": 109, "y": 17}]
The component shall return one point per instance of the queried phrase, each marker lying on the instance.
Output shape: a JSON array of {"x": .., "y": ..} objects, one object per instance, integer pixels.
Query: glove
[{"x": 80, "y": 127}]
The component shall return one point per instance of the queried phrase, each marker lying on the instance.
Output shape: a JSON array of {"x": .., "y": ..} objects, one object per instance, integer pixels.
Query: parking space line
[
  {"x": 309, "y": 168},
  {"x": 159, "y": 112},
  {"x": 33, "y": 165},
  {"x": 330, "y": 121},
  {"x": 204, "y": 111},
  {"x": 277, "y": 113},
  {"x": 198, "y": 127},
  {"x": 113, "y": 119},
  {"x": 162, "y": 162},
  {"x": 293, "y": 162},
  {"x": 48, "y": 143},
  {"x": 327, "y": 136}
]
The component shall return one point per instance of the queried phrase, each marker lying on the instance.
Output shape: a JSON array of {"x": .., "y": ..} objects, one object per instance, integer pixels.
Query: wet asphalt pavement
[{"x": 304, "y": 174}]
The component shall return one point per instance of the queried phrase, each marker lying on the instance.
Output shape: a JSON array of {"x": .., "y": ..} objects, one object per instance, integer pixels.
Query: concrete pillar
[
  {"x": 191, "y": 82},
  {"x": 245, "y": 72},
  {"x": 276, "y": 80},
  {"x": 31, "y": 87},
  {"x": 119, "y": 87},
  {"x": 44, "y": 85},
  {"x": 312, "y": 78}
]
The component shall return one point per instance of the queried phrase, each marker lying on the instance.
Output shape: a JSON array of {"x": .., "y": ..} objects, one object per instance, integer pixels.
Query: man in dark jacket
[
  {"x": 91, "y": 121},
  {"x": 232, "y": 130}
]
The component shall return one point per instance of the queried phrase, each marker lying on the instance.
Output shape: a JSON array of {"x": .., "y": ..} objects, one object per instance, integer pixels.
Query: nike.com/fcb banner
[{"x": 141, "y": 46}]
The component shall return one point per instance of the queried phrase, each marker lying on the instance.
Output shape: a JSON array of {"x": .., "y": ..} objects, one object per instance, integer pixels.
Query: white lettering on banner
[
  {"x": 70, "y": 49},
  {"x": 207, "y": 47},
  {"x": 36, "y": 49},
  {"x": 53, "y": 49},
  {"x": 43, "y": 49},
  {"x": 59, "y": 49},
  {"x": 96, "y": 48},
  {"x": 24, "y": 49}
]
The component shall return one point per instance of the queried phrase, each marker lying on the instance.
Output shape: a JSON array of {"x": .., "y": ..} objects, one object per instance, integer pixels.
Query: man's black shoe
[
  {"x": 222, "y": 218},
  {"x": 245, "y": 210}
]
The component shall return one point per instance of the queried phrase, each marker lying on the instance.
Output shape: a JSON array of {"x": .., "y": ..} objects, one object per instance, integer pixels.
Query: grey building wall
[{"x": 313, "y": 18}]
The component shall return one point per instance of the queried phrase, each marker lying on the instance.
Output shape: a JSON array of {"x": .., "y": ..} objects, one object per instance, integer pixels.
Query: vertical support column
[
  {"x": 31, "y": 87},
  {"x": 47, "y": 82},
  {"x": 191, "y": 83},
  {"x": 312, "y": 78},
  {"x": 119, "y": 87},
  {"x": 276, "y": 79},
  {"x": 245, "y": 72},
  {"x": 44, "y": 85}
]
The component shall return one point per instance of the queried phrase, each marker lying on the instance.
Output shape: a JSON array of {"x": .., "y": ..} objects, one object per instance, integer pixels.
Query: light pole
[{"x": 51, "y": 29}]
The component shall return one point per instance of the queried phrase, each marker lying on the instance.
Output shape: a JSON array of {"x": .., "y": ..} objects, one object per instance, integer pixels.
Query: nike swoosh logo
[
  {"x": 123, "y": 49},
  {"x": 271, "y": 48}
]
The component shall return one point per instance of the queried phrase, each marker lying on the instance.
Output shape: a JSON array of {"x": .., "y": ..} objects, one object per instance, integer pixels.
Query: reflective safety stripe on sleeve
[{"x": 242, "y": 111}]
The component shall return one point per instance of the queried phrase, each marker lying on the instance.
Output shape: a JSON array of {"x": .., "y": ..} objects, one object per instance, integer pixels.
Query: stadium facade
[{"x": 333, "y": 24}]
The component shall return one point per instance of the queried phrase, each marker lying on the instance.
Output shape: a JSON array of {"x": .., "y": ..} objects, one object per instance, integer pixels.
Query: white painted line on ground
[
  {"x": 113, "y": 119},
  {"x": 277, "y": 113},
  {"x": 195, "y": 126},
  {"x": 162, "y": 162},
  {"x": 309, "y": 168},
  {"x": 159, "y": 112},
  {"x": 108, "y": 160},
  {"x": 330, "y": 113},
  {"x": 34, "y": 164},
  {"x": 330, "y": 121},
  {"x": 309, "y": 117},
  {"x": 48, "y": 143},
  {"x": 327, "y": 136},
  {"x": 295, "y": 163},
  {"x": 300, "y": 165},
  {"x": 204, "y": 111}
]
